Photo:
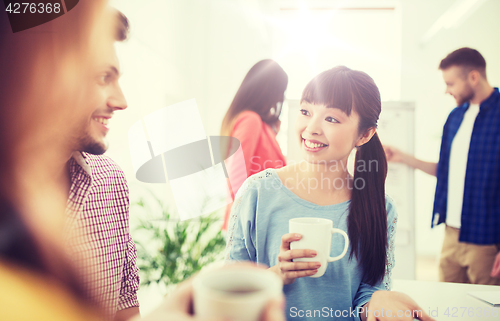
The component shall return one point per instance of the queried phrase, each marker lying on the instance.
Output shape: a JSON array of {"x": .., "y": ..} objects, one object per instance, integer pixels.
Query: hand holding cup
[
  {"x": 316, "y": 236},
  {"x": 289, "y": 270}
]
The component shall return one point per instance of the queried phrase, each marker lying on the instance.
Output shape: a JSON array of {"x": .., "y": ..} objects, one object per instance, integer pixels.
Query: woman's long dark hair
[
  {"x": 349, "y": 90},
  {"x": 262, "y": 88}
]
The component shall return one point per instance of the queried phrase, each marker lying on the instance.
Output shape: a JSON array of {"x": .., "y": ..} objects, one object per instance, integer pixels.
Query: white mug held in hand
[
  {"x": 316, "y": 235},
  {"x": 239, "y": 294}
]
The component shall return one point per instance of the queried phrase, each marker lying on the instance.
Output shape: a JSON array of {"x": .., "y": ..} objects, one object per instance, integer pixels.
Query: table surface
[{"x": 449, "y": 301}]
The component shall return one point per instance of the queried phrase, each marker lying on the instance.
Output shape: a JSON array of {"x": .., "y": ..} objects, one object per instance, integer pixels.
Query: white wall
[
  {"x": 422, "y": 83},
  {"x": 307, "y": 42},
  {"x": 179, "y": 50}
]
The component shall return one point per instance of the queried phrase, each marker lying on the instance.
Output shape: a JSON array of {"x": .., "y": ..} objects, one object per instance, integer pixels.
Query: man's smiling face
[{"x": 105, "y": 96}]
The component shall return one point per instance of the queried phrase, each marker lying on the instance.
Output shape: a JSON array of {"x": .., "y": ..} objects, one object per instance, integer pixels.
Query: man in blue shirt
[{"x": 467, "y": 195}]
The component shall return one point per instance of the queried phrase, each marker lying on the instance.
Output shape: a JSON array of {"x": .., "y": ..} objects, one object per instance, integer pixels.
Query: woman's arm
[
  {"x": 382, "y": 299},
  {"x": 365, "y": 291},
  {"x": 241, "y": 227}
]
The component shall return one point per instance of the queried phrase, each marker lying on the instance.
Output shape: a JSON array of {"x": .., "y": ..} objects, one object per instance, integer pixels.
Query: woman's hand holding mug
[{"x": 289, "y": 270}]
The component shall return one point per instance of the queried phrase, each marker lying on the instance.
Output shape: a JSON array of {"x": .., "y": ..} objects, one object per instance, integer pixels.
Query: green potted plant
[{"x": 169, "y": 250}]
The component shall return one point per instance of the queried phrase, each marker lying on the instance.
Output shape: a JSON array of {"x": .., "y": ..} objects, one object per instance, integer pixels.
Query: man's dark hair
[
  {"x": 122, "y": 27},
  {"x": 467, "y": 58}
]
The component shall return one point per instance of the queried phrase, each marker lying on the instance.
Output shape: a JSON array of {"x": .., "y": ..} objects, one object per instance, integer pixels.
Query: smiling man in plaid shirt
[
  {"x": 98, "y": 203},
  {"x": 467, "y": 195}
]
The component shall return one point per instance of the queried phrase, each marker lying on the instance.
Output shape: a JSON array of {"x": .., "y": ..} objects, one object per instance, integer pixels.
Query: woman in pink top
[{"x": 253, "y": 118}]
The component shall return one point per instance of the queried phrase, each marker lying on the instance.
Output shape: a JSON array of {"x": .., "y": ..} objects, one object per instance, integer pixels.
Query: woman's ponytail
[{"x": 367, "y": 222}]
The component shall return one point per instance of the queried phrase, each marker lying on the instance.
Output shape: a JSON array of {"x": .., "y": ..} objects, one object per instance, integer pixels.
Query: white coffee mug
[
  {"x": 316, "y": 235},
  {"x": 239, "y": 294}
]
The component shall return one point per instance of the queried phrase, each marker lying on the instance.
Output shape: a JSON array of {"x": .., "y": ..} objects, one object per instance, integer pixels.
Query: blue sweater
[{"x": 259, "y": 218}]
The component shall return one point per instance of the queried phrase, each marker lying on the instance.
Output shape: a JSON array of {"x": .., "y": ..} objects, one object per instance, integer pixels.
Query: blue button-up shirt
[{"x": 480, "y": 221}]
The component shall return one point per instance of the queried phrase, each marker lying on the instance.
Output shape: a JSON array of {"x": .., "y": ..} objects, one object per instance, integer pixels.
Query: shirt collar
[
  {"x": 80, "y": 159},
  {"x": 485, "y": 104},
  {"x": 488, "y": 102},
  {"x": 81, "y": 181}
]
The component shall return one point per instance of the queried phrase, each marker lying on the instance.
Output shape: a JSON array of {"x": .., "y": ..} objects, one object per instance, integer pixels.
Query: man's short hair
[
  {"x": 468, "y": 58},
  {"x": 122, "y": 27}
]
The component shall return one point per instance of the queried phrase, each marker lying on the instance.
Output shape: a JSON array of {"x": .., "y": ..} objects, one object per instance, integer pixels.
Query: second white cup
[{"x": 316, "y": 235}]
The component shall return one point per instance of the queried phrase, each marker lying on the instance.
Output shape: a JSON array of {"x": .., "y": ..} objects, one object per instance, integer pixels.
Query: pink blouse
[{"x": 260, "y": 150}]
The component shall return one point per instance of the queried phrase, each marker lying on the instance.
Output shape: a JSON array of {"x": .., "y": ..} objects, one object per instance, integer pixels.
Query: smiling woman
[
  {"x": 348, "y": 105},
  {"x": 339, "y": 112}
]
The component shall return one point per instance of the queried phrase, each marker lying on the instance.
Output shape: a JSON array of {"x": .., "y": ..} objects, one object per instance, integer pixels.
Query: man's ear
[
  {"x": 473, "y": 77},
  {"x": 365, "y": 138}
]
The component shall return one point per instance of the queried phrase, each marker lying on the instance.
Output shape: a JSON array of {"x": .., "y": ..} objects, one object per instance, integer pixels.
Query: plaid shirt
[
  {"x": 98, "y": 227},
  {"x": 481, "y": 202}
]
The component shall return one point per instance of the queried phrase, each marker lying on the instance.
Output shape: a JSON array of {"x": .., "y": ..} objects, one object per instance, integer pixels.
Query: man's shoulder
[
  {"x": 456, "y": 115},
  {"x": 100, "y": 161},
  {"x": 459, "y": 109},
  {"x": 102, "y": 165}
]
